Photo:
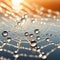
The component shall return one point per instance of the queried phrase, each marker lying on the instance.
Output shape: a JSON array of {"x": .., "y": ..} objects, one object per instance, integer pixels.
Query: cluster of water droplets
[{"x": 32, "y": 39}]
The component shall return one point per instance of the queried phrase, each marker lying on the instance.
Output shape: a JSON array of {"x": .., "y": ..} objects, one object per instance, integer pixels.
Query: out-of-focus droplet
[
  {"x": 23, "y": 20},
  {"x": 33, "y": 21},
  {"x": 18, "y": 23},
  {"x": 25, "y": 15}
]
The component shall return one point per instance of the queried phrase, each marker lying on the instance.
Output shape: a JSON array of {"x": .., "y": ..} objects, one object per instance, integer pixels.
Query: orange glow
[{"x": 20, "y": 7}]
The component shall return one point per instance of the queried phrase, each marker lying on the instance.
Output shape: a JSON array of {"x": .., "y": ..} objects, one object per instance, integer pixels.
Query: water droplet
[
  {"x": 26, "y": 34},
  {"x": 16, "y": 55},
  {"x": 38, "y": 38},
  {"x": 23, "y": 20},
  {"x": 36, "y": 31},
  {"x": 4, "y": 33},
  {"x": 44, "y": 56},
  {"x": 33, "y": 21},
  {"x": 25, "y": 15},
  {"x": 8, "y": 39},
  {"x": 38, "y": 49},
  {"x": 31, "y": 35},
  {"x": 33, "y": 44},
  {"x": 40, "y": 55},
  {"x": 47, "y": 39},
  {"x": 18, "y": 23}
]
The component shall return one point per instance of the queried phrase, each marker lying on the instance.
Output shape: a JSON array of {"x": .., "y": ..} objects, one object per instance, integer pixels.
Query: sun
[{"x": 16, "y": 4}]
